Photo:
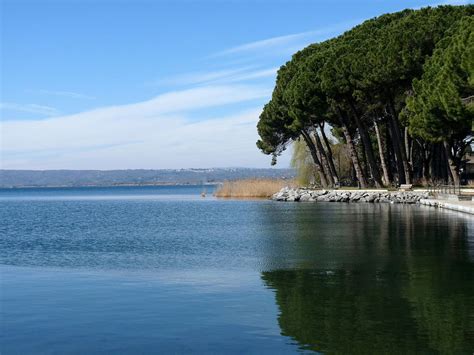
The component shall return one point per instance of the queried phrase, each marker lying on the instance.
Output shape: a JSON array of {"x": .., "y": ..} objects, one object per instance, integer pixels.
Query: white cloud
[
  {"x": 269, "y": 42},
  {"x": 221, "y": 76},
  {"x": 276, "y": 44},
  {"x": 158, "y": 133},
  {"x": 201, "y": 77},
  {"x": 257, "y": 74},
  {"x": 29, "y": 108},
  {"x": 453, "y": 2},
  {"x": 68, "y": 94}
]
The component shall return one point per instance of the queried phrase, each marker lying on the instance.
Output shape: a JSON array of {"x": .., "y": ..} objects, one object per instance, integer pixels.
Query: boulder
[
  {"x": 306, "y": 197},
  {"x": 307, "y": 194}
]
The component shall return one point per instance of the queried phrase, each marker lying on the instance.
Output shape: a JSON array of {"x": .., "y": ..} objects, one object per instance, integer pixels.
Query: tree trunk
[
  {"x": 374, "y": 170},
  {"x": 324, "y": 168},
  {"x": 329, "y": 154},
  {"x": 404, "y": 174},
  {"x": 352, "y": 151},
  {"x": 408, "y": 147},
  {"x": 426, "y": 154},
  {"x": 324, "y": 159},
  {"x": 389, "y": 153},
  {"x": 453, "y": 167},
  {"x": 382, "y": 156},
  {"x": 317, "y": 162},
  {"x": 365, "y": 165},
  {"x": 353, "y": 174},
  {"x": 437, "y": 164},
  {"x": 410, "y": 150},
  {"x": 398, "y": 155},
  {"x": 440, "y": 165},
  {"x": 426, "y": 172}
]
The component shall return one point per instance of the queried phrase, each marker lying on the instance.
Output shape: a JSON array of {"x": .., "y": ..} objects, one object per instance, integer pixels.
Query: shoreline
[
  {"x": 355, "y": 196},
  {"x": 419, "y": 197},
  {"x": 458, "y": 206}
]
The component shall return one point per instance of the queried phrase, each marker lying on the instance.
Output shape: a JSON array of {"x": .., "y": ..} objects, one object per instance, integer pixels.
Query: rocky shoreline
[{"x": 310, "y": 195}]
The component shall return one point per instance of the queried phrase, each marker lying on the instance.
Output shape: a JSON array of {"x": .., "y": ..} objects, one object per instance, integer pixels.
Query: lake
[{"x": 161, "y": 270}]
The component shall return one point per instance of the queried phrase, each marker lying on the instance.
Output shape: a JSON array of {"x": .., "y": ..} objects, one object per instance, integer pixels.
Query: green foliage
[
  {"x": 306, "y": 173},
  {"x": 301, "y": 162},
  {"x": 277, "y": 126},
  {"x": 422, "y": 59},
  {"x": 342, "y": 161},
  {"x": 436, "y": 111}
]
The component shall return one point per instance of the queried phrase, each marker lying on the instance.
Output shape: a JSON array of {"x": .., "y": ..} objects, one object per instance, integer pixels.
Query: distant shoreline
[
  {"x": 159, "y": 177},
  {"x": 108, "y": 185}
]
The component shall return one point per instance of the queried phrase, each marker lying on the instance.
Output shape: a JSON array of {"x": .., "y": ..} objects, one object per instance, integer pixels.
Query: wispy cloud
[
  {"x": 163, "y": 132},
  {"x": 29, "y": 108},
  {"x": 158, "y": 133},
  {"x": 176, "y": 101},
  {"x": 201, "y": 76},
  {"x": 68, "y": 94},
  {"x": 266, "y": 43},
  {"x": 220, "y": 77},
  {"x": 453, "y": 2},
  {"x": 257, "y": 74},
  {"x": 302, "y": 38}
]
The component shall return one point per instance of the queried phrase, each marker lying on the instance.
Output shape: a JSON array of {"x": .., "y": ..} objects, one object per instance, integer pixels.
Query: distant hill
[{"x": 50, "y": 178}]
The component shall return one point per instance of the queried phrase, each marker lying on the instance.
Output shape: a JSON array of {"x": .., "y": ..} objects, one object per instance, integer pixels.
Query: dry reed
[{"x": 251, "y": 188}]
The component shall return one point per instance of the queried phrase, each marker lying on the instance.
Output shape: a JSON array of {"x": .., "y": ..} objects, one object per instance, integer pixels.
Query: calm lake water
[{"x": 162, "y": 270}]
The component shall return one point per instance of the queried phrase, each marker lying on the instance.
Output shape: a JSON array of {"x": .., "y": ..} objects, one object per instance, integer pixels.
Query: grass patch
[{"x": 251, "y": 188}]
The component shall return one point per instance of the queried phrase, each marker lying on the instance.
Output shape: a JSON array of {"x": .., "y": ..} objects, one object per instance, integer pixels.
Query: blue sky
[{"x": 152, "y": 84}]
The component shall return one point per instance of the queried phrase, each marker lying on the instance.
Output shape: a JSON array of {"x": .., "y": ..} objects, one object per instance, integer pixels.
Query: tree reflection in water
[{"x": 399, "y": 283}]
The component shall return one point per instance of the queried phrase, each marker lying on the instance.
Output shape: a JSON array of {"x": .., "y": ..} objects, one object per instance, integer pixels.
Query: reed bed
[{"x": 251, "y": 188}]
